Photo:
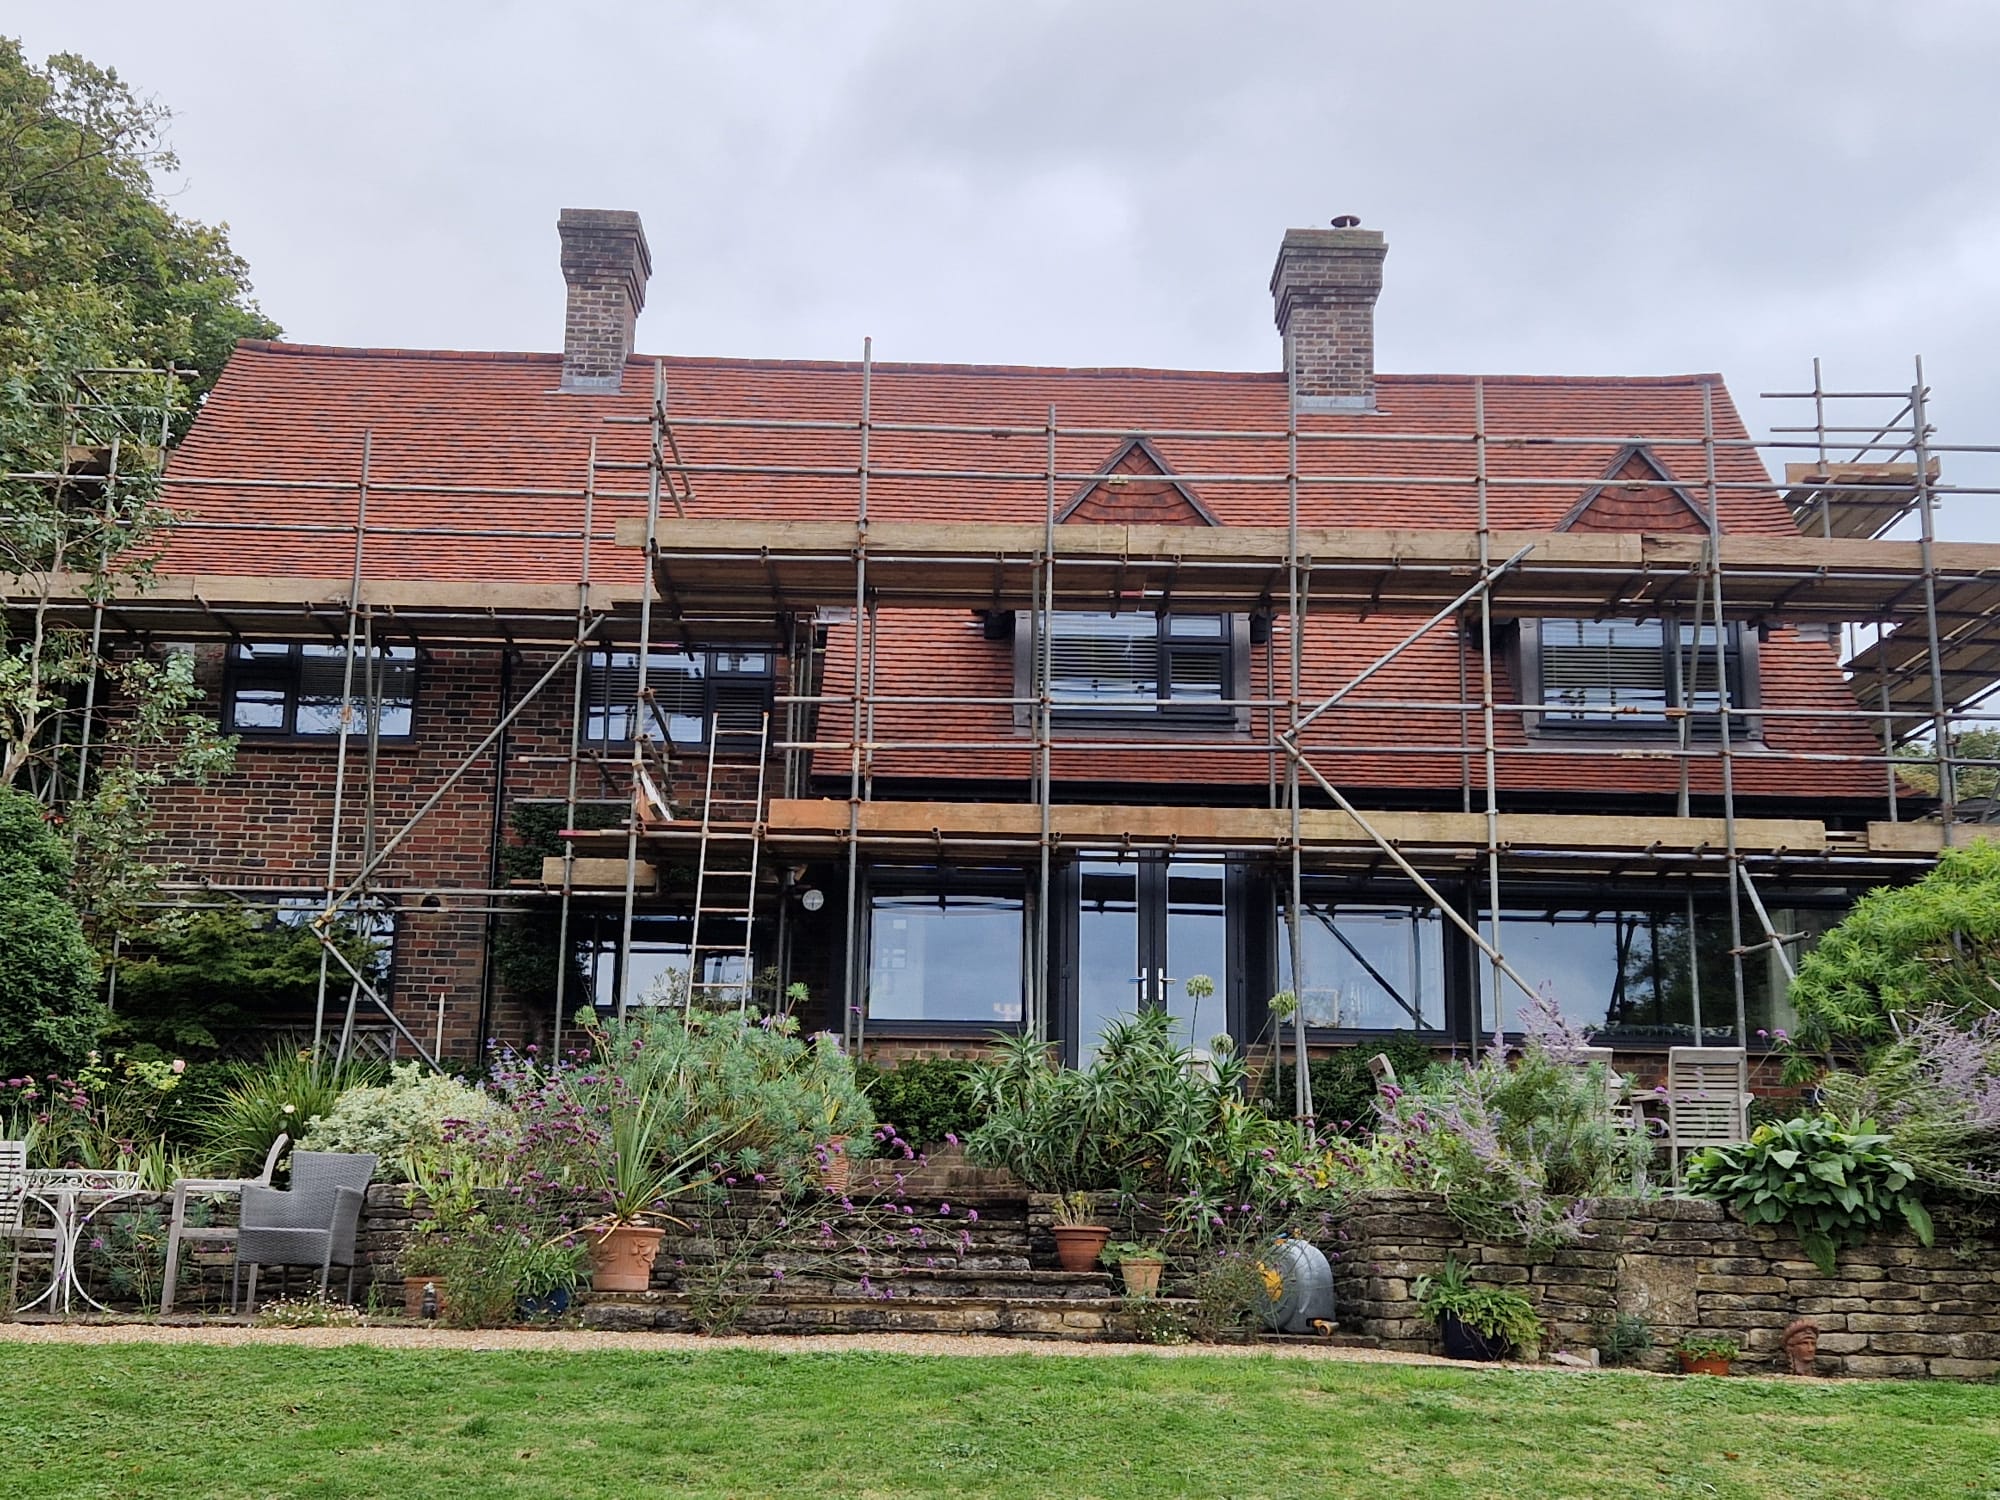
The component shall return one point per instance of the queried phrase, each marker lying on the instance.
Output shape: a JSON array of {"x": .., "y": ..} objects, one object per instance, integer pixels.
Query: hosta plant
[{"x": 1829, "y": 1183}]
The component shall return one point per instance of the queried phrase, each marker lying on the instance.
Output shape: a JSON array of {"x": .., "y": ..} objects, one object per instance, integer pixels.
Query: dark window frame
[
  {"x": 1229, "y": 649},
  {"x": 1743, "y": 685},
  {"x": 286, "y": 677},
  {"x": 944, "y": 881},
  {"x": 598, "y": 700}
]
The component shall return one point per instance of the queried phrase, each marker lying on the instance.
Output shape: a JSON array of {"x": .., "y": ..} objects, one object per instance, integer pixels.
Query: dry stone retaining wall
[{"x": 1894, "y": 1308}]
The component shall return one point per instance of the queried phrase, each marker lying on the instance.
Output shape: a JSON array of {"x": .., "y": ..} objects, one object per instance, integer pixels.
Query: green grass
[{"x": 271, "y": 1420}]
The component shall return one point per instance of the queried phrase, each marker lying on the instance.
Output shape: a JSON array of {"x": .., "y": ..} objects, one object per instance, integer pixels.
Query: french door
[{"x": 1146, "y": 925}]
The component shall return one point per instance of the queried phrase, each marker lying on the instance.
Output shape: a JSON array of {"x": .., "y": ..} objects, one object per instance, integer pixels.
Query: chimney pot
[
  {"x": 1323, "y": 293},
  {"x": 606, "y": 264}
]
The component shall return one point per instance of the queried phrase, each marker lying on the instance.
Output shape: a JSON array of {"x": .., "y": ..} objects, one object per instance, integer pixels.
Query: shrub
[
  {"x": 1903, "y": 951},
  {"x": 256, "y": 1102},
  {"x": 399, "y": 1119},
  {"x": 49, "y": 1012},
  {"x": 1831, "y": 1185},
  {"x": 927, "y": 1099},
  {"x": 1515, "y": 1147},
  {"x": 1149, "y": 1117},
  {"x": 1343, "y": 1089},
  {"x": 1936, "y": 1091},
  {"x": 1622, "y": 1338}
]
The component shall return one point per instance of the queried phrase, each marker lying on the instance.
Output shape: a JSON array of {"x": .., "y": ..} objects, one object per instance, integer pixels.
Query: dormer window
[
  {"x": 1621, "y": 676},
  {"x": 1139, "y": 667}
]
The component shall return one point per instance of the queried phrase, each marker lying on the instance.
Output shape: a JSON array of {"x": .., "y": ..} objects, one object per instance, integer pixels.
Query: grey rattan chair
[{"x": 314, "y": 1224}]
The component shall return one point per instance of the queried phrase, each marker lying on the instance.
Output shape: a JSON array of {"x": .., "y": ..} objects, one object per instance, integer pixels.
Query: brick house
[{"x": 1000, "y": 790}]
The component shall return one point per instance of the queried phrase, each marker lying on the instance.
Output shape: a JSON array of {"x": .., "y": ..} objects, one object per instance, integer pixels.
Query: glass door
[{"x": 1146, "y": 925}]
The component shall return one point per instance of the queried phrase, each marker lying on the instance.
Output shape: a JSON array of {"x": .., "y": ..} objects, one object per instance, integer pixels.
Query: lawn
[{"x": 269, "y": 1420}]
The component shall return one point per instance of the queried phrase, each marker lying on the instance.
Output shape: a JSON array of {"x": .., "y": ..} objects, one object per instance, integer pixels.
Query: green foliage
[
  {"x": 1707, "y": 1346},
  {"x": 1155, "y": 1321},
  {"x": 1516, "y": 1148},
  {"x": 1623, "y": 1338},
  {"x": 1496, "y": 1314},
  {"x": 401, "y": 1119},
  {"x": 525, "y": 941},
  {"x": 1226, "y": 1296},
  {"x": 1343, "y": 1089},
  {"x": 111, "y": 1116},
  {"x": 1916, "y": 763},
  {"x": 1147, "y": 1116},
  {"x": 256, "y": 1102},
  {"x": 314, "y": 1310},
  {"x": 927, "y": 1099},
  {"x": 192, "y": 979},
  {"x": 759, "y": 1100},
  {"x": 1901, "y": 951},
  {"x": 1935, "y": 1091},
  {"x": 1831, "y": 1185},
  {"x": 49, "y": 1011},
  {"x": 84, "y": 233}
]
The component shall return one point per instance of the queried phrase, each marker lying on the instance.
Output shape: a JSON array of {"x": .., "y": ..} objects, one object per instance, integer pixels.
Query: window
[
  {"x": 658, "y": 972},
  {"x": 690, "y": 691},
  {"x": 296, "y": 690},
  {"x": 1143, "y": 664},
  {"x": 946, "y": 949},
  {"x": 369, "y": 934},
  {"x": 1366, "y": 965},
  {"x": 1632, "y": 674}
]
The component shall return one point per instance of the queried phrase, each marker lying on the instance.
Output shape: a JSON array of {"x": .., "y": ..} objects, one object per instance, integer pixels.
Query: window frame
[
  {"x": 944, "y": 882},
  {"x": 1743, "y": 686},
  {"x": 597, "y": 697},
  {"x": 287, "y": 676},
  {"x": 1230, "y": 648},
  {"x": 1334, "y": 892}
]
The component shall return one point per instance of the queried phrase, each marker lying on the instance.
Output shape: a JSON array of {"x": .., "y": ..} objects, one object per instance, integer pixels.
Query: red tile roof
[{"x": 480, "y": 425}]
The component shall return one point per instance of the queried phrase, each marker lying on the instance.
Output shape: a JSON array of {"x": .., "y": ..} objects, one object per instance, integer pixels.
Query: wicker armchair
[{"x": 314, "y": 1224}]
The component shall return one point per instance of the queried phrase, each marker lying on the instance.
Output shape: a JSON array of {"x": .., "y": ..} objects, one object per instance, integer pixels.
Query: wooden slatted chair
[
  {"x": 208, "y": 1187},
  {"x": 1615, "y": 1086},
  {"x": 1708, "y": 1099}
]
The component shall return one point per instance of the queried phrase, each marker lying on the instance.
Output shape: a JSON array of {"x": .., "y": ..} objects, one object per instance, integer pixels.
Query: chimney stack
[
  {"x": 606, "y": 263},
  {"x": 1324, "y": 291}
]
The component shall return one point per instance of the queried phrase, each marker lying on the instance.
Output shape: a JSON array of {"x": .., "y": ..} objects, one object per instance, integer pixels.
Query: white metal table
[{"x": 73, "y": 1197}]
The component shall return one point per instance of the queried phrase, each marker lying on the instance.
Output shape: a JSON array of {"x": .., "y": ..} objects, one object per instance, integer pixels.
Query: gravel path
[{"x": 577, "y": 1340}]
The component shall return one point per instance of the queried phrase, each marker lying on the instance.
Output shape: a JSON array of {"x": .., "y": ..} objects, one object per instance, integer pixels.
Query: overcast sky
[{"x": 1567, "y": 186}]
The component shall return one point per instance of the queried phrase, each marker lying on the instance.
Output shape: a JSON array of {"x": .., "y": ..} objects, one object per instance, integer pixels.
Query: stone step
[
  {"x": 952, "y": 1281},
  {"x": 1084, "y": 1318}
]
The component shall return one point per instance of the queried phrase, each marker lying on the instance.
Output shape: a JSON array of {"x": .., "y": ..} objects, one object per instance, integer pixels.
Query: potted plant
[
  {"x": 423, "y": 1271},
  {"x": 1705, "y": 1353},
  {"x": 1140, "y": 1264},
  {"x": 1478, "y": 1322},
  {"x": 548, "y": 1274},
  {"x": 641, "y": 1173},
  {"x": 1079, "y": 1238}
]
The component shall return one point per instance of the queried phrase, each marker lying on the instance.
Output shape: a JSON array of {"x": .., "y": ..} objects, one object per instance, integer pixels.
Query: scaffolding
[{"x": 1919, "y": 618}]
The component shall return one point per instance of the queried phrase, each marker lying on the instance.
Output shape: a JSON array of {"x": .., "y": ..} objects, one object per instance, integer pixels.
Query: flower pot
[
  {"x": 1079, "y": 1245},
  {"x": 838, "y": 1169},
  {"x": 1461, "y": 1342},
  {"x": 413, "y": 1296},
  {"x": 1142, "y": 1277},
  {"x": 1704, "y": 1364},
  {"x": 550, "y": 1305},
  {"x": 621, "y": 1257}
]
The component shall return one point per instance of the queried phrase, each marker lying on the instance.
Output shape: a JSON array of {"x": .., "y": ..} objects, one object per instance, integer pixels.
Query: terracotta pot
[
  {"x": 1142, "y": 1277},
  {"x": 1079, "y": 1245},
  {"x": 838, "y": 1171},
  {"x": 413, "y": 1295},
  {"x": 1708, "y": 1364},
  {"x": 621, "y": 1257}
]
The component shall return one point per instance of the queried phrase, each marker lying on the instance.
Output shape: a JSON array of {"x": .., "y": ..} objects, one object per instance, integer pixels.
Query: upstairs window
[
  {"x": 1633, "y": 674},
  {"x": 290, "y": 690},
  {"x": 1166, "y": 666},
  {"x": 690, "y": 690}
]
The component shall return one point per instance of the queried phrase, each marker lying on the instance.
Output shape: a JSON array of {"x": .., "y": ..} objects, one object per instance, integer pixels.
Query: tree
[
  {"x": 1905, "y": 951},
  {"x": 101, "y": 288},
  {"x": 49, "y": 1013},
  {"x": 1916, "y": 764}
]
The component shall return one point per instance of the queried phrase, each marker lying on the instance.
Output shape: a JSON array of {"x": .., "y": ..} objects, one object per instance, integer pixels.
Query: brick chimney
[
  {"x": 1324, "y": 291},
  {"x": 605, "y": 262}
]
